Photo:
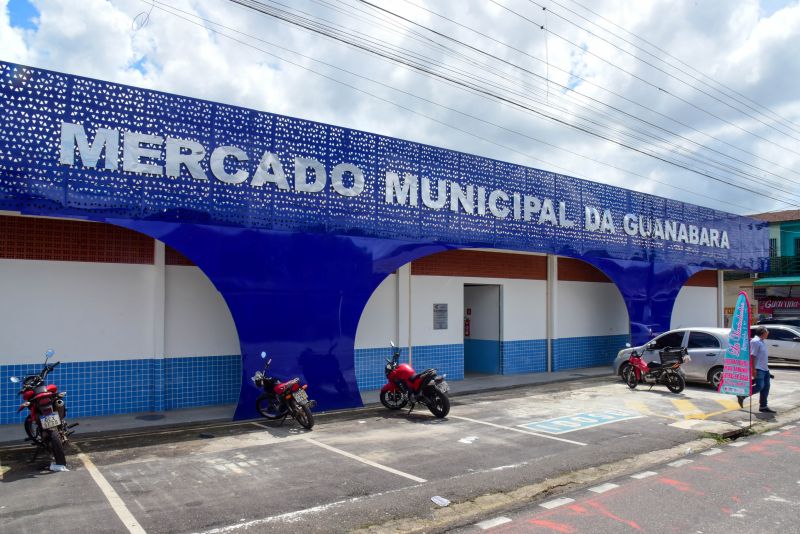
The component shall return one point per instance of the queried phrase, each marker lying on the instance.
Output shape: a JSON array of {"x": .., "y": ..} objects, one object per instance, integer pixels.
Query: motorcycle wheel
[
  {"x": 440, "y": 404},
  {"x": 394, "y": 400},
  {"x": 675, "y": 382},
  {"x": 56, "y": 447},
  {"x": 32, "y": 430},
  {"x": 630, "y": 377},
  {"x": 303, "y": 416},
  {"x": 269, "y": 407}
]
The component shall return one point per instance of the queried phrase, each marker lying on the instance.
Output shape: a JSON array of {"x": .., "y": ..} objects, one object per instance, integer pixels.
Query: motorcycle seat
[
  {"x": 653, "y": 365},
  {"x": 423, "y": 373},
  {"x": 280, "y": 388}
]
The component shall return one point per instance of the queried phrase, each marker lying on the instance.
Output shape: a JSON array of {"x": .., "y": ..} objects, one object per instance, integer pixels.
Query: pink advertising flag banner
[{"x": 736, "y": 374}]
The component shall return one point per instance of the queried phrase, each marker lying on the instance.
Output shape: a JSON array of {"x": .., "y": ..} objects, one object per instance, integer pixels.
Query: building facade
[{"x": 322, "y": 242}]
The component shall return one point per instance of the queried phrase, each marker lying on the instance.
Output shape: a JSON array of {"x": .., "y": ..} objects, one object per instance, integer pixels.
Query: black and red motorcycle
[
  {"x": 46, "y": 424},
  {"x": 281, "y": 399},
  {"x": 404, "y": 386}
]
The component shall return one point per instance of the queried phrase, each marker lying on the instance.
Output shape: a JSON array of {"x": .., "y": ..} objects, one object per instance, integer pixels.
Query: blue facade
[
  {"x": 482, "y": 356},
  {"x": 524, "y": 356},
  {"x": 296, "y": 223},
  {"x": 517, "y": 357},
  {"x": 576, "y": 352},
  {"x": 125, "y": 386}
]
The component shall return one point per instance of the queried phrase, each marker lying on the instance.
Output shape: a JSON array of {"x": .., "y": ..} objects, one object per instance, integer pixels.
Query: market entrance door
[{"x": 482, "y": 329}]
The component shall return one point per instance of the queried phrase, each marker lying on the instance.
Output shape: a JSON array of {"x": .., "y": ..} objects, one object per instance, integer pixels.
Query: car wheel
[{"x": 715, "y": 377}]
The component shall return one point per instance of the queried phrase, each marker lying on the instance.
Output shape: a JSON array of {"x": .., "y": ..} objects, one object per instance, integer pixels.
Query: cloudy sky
[{"x": 693, "y": 100}]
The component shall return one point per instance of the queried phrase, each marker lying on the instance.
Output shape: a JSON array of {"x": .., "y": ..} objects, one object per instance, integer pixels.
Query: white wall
[
  {"x": 695, "y": 306},
  {"x": 84, "y": 311},
  {"x": 484, "y": 305},
  {"x": 378, "y": 323},
  {"x": 197, "y": 321},
  {"x": 590, "y": 309},
  {"x": 523, "y": 311},
  {"x": 427, "y": 291}
]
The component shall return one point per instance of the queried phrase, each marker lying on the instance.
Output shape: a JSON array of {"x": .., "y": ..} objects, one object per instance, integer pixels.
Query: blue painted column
[
  {"x": 649, "y": 289},
  {"x": 299, "y": 297}
]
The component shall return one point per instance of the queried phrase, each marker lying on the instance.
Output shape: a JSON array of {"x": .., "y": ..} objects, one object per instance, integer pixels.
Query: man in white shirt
[{"x": 759, "y": 357}]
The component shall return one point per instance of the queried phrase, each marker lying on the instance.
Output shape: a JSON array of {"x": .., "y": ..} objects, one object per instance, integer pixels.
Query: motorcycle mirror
[
  {"x": 14, "y": 379},
  {"x": 628, "y": 345},
  {"x": 391, "y": 342},
  {"x": 269, "y": 361},
  {"x": 263, "y": 355},
  {"x": 49, "y": 354}
]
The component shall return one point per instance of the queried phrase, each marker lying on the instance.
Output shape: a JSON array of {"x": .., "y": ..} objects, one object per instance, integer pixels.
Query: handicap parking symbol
[{"x": 580, "y": 421}]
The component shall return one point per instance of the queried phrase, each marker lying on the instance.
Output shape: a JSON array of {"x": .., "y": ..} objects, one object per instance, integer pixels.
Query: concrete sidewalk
[{"x": 14, "y": 434}]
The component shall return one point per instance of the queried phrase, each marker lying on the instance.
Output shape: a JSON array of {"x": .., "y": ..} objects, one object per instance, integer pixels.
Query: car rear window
[
  {"x": 672, "y": 339},
  {"x": 702, "y": 340}
]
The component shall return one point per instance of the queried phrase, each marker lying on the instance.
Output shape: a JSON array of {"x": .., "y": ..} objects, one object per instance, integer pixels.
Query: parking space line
[
  {"x": 644, "y": 474},
  {"x": 116, "y": 502},
  {"x": 516, "y": 430},
  {"x": 688, "y": 409},
  {"x": 364, "y": 460},
  {"x": 644, "y": 409}
]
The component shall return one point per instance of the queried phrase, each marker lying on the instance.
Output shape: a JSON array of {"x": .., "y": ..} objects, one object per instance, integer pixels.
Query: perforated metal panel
[{"x": 35, "y": 103}]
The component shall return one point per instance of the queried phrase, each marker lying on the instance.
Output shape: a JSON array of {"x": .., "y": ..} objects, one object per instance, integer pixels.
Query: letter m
[
  {"x": 73, "y": 135},
  {"x": 404, "y": 192}
]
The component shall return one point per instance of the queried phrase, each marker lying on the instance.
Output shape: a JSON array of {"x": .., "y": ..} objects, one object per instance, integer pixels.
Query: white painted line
[
  {"x": 644, "y": 474},
  {"x": 364, "y": 460},
  {"x": 711, "y": 452},
  {"x": 772, "y": 432},
  {"x": 678, "y": 463},
  {"x": 491, "y": 523},
  {"x": 516, "y": 430},
  {"x": 556, "y": 503},
  {"x": 739, "y": 443},
  {"x": 603, "y": 488},
  {"x": 788, "y": 427},
  {"x": 116, "y": 502}
]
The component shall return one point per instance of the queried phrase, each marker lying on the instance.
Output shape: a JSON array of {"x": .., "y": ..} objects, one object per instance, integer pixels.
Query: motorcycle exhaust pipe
[{"x": 61, "y": 408}]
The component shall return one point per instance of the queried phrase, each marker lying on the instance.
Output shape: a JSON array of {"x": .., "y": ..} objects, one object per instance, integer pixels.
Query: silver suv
[{"x": 706, "y": 347}]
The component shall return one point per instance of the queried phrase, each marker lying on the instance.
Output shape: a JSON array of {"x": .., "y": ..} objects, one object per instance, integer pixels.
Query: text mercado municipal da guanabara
[{"x": 143, "y": 153}]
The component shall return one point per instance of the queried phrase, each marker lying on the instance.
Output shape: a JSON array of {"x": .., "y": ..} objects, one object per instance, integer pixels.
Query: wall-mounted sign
[{"x": 440, "y": 316}]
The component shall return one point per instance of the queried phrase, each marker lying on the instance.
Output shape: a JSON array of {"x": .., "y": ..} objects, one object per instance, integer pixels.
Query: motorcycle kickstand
[
  {"x": 413, "y": 405},
  {"x": 283, "y": 419}
]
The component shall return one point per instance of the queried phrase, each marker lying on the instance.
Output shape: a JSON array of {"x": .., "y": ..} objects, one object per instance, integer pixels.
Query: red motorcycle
[
  {"x": 406, "y": 386},
  {"x": 281, "y": 399},
  {"x": 667, "y": 372},
  {"x": 46, "y": 424}
]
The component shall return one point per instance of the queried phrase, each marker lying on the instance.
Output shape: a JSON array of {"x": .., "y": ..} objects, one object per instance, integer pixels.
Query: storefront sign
[{"x": 768, "y": 306}]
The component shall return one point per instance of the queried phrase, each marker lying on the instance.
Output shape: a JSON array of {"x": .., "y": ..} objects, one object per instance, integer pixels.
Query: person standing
[{"x": 758, "y": 357}]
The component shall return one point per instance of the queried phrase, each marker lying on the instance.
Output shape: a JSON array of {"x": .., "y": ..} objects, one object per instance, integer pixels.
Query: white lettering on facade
[{"x": 159, "y": 156}]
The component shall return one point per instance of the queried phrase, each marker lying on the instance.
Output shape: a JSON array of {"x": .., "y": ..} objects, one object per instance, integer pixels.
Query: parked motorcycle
[
  {"x": 405, "y": 386},
  {"x": 667, "y": 372},
  {"x": 46, "y": 424},
  {"x": 281, "y": 399}
]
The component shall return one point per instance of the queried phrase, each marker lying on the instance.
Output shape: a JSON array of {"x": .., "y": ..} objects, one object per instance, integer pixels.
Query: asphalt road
[
  {"x": 372, "y": 469},
  {"x": 750, "y": 486}
]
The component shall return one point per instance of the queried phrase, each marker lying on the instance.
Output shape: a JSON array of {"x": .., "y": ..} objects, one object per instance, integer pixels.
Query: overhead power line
[{"x": 166, "y": 8}]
